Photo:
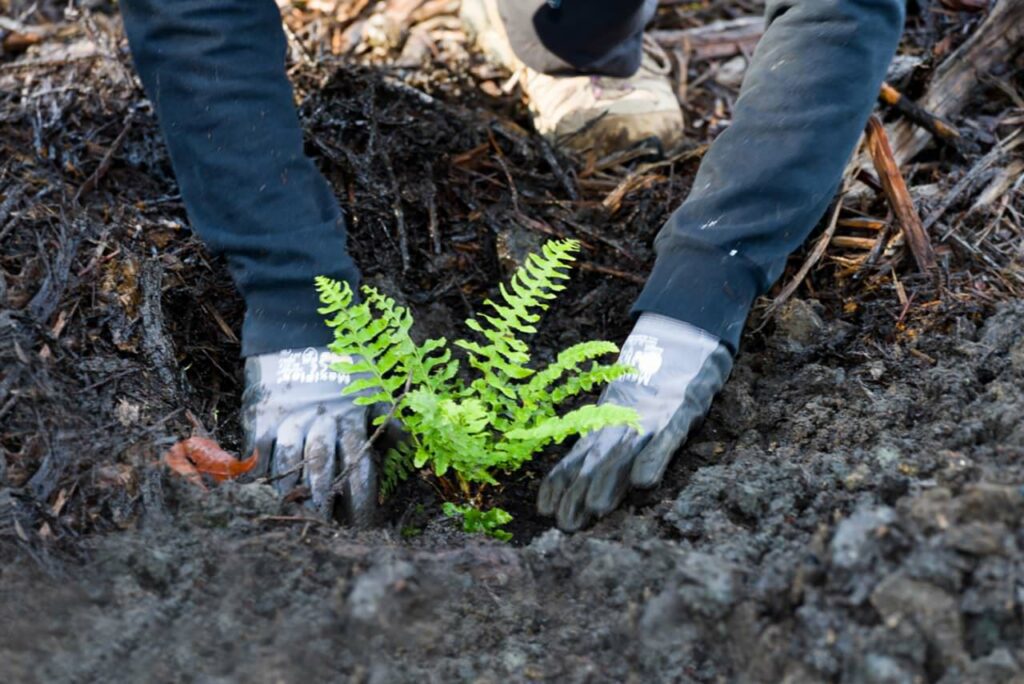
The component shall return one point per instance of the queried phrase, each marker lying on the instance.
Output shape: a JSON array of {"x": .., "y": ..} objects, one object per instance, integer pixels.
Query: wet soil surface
[{"x": 851, "y": 510}]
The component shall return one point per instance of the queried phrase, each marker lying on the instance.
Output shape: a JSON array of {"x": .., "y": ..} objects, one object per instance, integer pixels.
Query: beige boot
[{"x": 584, "y": 113}]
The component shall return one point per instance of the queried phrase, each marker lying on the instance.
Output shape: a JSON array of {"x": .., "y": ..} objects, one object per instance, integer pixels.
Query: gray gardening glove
[
  {"x": 680, "y": 369},
  {"x": 306, "y": 431}
]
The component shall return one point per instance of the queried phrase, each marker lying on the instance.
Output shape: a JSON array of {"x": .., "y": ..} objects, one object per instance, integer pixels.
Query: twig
[
  {"x": 364, "y": 451},
  {"x": 597, "y": 268},
  {"x": 682, "y": 63},
  {"x": 647, "y": 148},
  {"x": 863, "y": 223},
  {"x": 267, "y": 479},
  {"x": 919, "y": 115},
  {"x": 300, "y": 48},
  {"x": 109, "y": 379},
  {"x": 853, "y": 242},
  {"x": 596, "y": 236},
  {"x": 876, "y": 250},
  {"x": 500, "y": 157},
  {"x": 94, "y": 179},
  {"x": 899, "y": 198},
  {"x": 403, "y": 87},
  {"x": 396, "y": 207},
  {"x": 46, "y": 63},
  {"x": 293, "y": 518},
  {"x": 1007, "y": 180},
  {"x": 634, "y": 182},
  {"x": 868, "y": 179},
  {"x": 549, "y": 156},
  {"x": 221, "y": 323},
  {"x": 12, "y": 199},
  {"x": 48, "y": 297},
  {"x": 431, "y": 197},
  {"x": 8, "y": 405},
  {"x": 717, "y": 39}
]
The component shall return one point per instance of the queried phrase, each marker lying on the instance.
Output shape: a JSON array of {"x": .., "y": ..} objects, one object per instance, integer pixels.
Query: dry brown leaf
[{"x": 197, "y": 456}]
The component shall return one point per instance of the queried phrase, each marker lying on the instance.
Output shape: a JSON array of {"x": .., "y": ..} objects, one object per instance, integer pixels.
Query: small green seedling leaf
[{"x": 476, "y": 521}]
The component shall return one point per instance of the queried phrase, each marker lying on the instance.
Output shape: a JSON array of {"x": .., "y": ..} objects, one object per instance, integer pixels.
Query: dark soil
[
  {"x": 852, "y": 510},
  {"x": 838, "y": 517}
]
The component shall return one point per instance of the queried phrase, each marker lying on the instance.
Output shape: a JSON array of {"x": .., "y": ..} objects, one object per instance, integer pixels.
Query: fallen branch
[
  {"x": 16, "y": 37},
  {"x": 1007, "y": 179},
  {"x": 965, "y": 5},
  {"x": 970, "y": 178},
  {"x": 917, "y": 114},
  {"x": 955, "y": 81},
  {"x": 717, "y": 39}
]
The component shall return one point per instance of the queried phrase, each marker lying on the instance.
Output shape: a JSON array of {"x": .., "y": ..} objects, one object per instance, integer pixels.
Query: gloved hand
[
  {"x": 680, "y": 369},
  {"x": 306, "y": 431}
]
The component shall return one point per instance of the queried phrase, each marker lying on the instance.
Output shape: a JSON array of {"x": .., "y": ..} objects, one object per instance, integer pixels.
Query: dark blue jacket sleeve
[
  {"x": 768, "y": 178},
  {"x": 215, "y": 72}
]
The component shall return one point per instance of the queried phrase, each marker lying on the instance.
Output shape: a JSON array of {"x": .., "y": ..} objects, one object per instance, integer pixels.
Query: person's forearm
[
  {"x": 767, "y": 180},
  {"x": 214, "y": 70}
]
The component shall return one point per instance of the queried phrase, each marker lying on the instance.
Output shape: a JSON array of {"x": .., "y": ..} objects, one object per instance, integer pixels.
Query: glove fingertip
[
  {"x": 611, "y": 477},
  {"x": 650, "y": 464},
  {"x": 263, "y": 448},
  {"x": 319, "y": 458},
  {"x": 286, "y": 459},
  {"x": 361, "y": 497},
  {"x": 645, "y": 475},
  {"x": 572, "y": 512},
  {"x": 554, "y": 484},
  {"x": 601, "y": 502},
  {"x": 547, "y": 497},
  {"x": 360, "y": 477}
]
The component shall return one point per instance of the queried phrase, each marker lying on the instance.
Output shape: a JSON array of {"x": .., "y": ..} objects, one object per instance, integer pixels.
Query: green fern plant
[
  {"x": 499, "y": 416},
  {"x": 487, "y": 522}
]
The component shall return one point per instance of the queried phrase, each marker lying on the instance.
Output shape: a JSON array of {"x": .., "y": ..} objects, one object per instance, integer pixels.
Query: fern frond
[
  {"x": 374, "y": 340},
  {"x": 475, "y": 520},
  {"x": 453, "y": 434},
  {"x": 503, "y": 361},
  {"x": 568, "y": 361},
  {"x": 429, "y": 364},
  {"x": 597, "y": 375},
  {"x": 530, "y": 288},
  {"x": 579, "y": 422},
  {"x": 395, "y": 467}
]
